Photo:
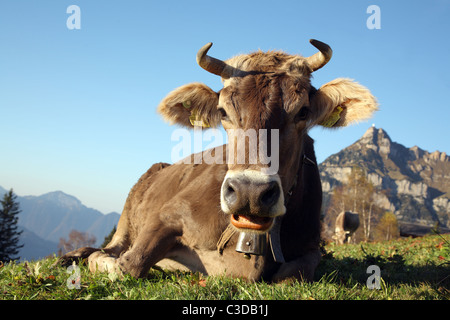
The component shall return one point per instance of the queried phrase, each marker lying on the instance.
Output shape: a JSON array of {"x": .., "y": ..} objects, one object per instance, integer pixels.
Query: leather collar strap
[{"x": 225, "y": 237}]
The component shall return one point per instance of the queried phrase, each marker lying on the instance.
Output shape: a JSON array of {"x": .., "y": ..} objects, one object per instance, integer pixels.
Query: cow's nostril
[
  {"x": 230, "y": 195},
  {"x": 269, "y": 197}
]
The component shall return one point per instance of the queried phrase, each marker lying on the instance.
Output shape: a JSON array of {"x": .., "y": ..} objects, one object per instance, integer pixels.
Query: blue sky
[{"x": 78, "y": 107}]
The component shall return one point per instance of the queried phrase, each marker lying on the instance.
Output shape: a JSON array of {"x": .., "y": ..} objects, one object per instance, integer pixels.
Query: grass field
[{"x": 410, "y": 269}]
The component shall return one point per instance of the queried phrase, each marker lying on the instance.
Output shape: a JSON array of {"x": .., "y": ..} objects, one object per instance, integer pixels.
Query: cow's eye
[
  {"x": 223, "y": 113},
  {"x": 302, "y": 114}
]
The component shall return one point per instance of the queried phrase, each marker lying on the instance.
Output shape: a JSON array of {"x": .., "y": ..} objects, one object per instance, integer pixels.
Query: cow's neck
[
  {"x": 305, "y": 160},
  {"x": 274, "y": 234}
]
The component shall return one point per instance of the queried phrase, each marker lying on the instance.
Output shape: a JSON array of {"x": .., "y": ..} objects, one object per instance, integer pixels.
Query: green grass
[{"x": 410, "y": 269}]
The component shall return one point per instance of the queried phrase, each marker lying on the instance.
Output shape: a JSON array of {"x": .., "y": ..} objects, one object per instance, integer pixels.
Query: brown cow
[
  {"x": 196, "y": 214},
  {"x": 346, "y": 224}
]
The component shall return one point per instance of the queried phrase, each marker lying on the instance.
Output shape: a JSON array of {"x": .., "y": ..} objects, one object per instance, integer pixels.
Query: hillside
[
  {"x": 417, "y": 182},
  {"x": 53, "y": 215},
  {"x": 35, "y": 247},
  {"x": 47, "y": 218}
]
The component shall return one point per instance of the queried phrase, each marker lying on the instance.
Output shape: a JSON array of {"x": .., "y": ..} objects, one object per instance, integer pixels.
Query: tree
[
  {"x": 387, "y": 228},
  {"x": 356, "y": 195},
  {"x": 362, "y": 195},
  {"x": 76, "y": 240},
  {"x": 9, "y": 236}
]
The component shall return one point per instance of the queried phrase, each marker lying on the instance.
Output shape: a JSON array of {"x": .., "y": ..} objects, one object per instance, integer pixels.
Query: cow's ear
[
  {"x": 193, "y": 104},
  {"x": 341, "y": 102}
]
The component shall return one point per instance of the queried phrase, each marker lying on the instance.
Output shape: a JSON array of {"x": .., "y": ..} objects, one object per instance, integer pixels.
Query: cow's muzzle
[{"x": 253, "y": 199}]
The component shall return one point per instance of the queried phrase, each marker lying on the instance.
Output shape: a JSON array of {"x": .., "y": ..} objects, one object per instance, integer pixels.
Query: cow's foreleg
[
  {"x": 76, "y": 255},
  {"x": 103, "y": 262},
  {"x": 98, "y": 259},
  {"x": 93, "y": 256},
  {"x": 150, "y": 247},
  {"x": 301, "y": 268}
]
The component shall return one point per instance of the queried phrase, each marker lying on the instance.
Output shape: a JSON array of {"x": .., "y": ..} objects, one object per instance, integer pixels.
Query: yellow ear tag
[
  {"x": 197, "y": 121},
  {"x": 333, "y": 118},
  {"x": 187, "y": 104}
]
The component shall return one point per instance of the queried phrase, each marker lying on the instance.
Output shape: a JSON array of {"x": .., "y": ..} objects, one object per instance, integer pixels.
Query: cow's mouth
[{"x": 251, "y": 222}]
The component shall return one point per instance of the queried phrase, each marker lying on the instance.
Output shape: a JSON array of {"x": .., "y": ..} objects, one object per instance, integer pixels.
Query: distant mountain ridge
[
  {"x": 417, "y": 181},
  {"x": 51, "y": 216}
]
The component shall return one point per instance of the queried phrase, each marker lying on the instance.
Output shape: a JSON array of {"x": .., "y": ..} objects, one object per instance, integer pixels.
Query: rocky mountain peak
[
  {"x": 61, "y": 199},
  {"x": 377, "y": 140},
  {"x": 415, "y": 182}
]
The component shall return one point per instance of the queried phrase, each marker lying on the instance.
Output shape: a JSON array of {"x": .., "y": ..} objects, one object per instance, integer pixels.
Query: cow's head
[{"x": 265, "y": 93}]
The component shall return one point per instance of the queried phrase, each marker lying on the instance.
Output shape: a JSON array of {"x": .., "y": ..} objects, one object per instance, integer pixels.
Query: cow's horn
[
  {"x": 210, "y": 64},
  {"x": 319, "y": 59}
]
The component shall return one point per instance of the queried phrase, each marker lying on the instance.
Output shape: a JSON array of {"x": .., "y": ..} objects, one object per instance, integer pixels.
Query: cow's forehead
[
  {"x": 261, "y": 101},
  {"x": 266, "y": 63},
  {"x": 260, "y": 76}
]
